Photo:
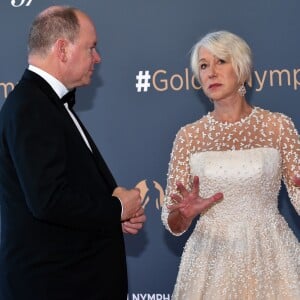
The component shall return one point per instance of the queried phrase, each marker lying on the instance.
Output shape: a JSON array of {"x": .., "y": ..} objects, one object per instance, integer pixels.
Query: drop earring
[{"x": 242, "y": 90}]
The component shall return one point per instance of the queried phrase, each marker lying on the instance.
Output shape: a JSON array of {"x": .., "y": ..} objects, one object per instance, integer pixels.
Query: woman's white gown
[{"x": 241, "y": 248}]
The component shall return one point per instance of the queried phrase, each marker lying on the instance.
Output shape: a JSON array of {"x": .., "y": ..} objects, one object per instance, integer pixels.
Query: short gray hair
[
  {"x": 50, "y": 25},
  {"x": 225, "y": 45}
]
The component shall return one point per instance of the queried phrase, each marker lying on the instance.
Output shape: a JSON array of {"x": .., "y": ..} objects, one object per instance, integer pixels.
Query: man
[{"x": 62, "y": 214}]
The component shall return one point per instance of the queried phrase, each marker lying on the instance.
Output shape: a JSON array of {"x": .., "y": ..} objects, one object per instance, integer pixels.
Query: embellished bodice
[{"x": 245, "y": 160}]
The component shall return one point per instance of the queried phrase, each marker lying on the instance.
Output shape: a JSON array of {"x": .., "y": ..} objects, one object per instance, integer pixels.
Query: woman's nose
[{"x": 212, "y": 71}]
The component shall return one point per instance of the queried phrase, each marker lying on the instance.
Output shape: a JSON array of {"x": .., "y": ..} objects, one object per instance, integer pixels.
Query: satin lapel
[
  {"x": 47, "y": 89},
  {"x": 101, "y": 164}
]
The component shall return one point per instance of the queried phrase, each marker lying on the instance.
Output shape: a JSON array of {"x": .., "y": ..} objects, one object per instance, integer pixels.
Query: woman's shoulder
[
  {"x": 195, "y": 125},
  {"x": 276, "y": 122},
  {"x": 273, "y": 116},
  {"x": 192, "y": 129}
]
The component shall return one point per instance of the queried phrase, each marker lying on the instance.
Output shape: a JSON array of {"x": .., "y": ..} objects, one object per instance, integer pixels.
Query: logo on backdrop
[
  {"x": 155, "y": 296},
  {"x": 162, "y": 81},
  {"x": 19, "y": 3},
  {"x": 5, "y": 88},
  {"x": 151, "y": 192}
]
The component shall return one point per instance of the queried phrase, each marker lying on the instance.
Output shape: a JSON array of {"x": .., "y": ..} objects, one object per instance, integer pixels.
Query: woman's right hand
[
  {"x": 296, "y": 181},
  {"x": 190, "y": 204},
  {"x": 187, "y": 205}
]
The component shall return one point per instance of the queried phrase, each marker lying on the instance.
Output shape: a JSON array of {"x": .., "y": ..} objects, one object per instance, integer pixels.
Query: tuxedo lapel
[{"x": 101, "y": 164}]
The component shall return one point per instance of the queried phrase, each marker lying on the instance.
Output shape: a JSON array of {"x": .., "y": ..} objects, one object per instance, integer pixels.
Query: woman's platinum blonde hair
[{"x": 227, "y": 46}]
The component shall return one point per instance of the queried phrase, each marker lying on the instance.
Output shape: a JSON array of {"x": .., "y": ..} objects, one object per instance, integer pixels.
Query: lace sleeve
[
  {"x": 179, "y": 170},
  {"x": 290, "y": 152}
]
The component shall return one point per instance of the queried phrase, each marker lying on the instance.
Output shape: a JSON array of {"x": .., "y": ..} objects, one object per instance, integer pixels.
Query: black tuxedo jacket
[{"x": 61, "y": 235}]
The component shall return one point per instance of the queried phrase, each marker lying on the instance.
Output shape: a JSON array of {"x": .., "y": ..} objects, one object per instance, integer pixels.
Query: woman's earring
[{"x": 242, "y": 90}]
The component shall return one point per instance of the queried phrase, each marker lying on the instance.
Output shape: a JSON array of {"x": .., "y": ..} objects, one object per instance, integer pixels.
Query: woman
[{"x": 241, "y": 247}]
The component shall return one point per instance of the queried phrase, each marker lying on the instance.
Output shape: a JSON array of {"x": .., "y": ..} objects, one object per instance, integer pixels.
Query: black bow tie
[{"x": 69, "y": 98}]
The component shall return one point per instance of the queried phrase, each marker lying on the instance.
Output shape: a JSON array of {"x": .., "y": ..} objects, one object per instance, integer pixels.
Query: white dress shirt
[{"x": 60, "y": 90}]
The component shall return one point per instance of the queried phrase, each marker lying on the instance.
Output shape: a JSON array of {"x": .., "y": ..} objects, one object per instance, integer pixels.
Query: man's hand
[
  {"x": 134, "y": 224},
  {"x": 131, "y": 201}
]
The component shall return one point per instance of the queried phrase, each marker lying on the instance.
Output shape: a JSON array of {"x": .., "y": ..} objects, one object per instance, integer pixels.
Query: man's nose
[{"x": 97, "y": 57}]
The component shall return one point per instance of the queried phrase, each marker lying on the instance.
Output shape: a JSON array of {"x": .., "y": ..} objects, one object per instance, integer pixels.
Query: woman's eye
[
  {"x": 221, "y": 61},
  {"x": 203, "y": 66}
]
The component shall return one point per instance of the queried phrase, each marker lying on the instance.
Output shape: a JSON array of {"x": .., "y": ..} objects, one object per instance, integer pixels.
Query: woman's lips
[{"x": 214, "y": 85}]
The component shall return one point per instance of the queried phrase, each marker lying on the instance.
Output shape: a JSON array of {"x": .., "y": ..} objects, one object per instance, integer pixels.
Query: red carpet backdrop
[{"x": 145, "y": 91}]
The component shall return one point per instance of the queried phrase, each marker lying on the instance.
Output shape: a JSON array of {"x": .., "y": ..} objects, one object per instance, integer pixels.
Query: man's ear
[{"x": 61, "y": 49}]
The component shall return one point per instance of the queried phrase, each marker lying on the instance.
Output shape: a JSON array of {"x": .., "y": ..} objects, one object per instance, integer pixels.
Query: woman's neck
[{"x": 231, "y": 112}]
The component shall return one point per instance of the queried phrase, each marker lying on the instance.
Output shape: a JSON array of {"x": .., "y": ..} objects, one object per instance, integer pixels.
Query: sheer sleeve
[
  {"x": 290, "y": 153},
  {"x": 179, "y": 170}
]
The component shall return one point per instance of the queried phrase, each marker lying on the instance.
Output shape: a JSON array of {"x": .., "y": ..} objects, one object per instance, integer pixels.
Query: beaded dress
[{"x": 241, "y": 248}]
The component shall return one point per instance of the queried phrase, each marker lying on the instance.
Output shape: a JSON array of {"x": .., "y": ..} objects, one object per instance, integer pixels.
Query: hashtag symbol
[{"x": 143, "y": 81}]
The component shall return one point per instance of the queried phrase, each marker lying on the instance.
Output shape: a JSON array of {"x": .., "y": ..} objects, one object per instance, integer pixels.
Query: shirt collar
[{"x": 57, "y": 86}]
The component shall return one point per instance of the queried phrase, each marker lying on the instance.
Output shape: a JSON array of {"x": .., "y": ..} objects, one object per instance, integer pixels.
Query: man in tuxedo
[{"x": 62, "y": 214}]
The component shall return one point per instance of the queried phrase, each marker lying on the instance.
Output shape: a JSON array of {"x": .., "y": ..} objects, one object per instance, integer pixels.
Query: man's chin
[{"x": 86, "y": 82}]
